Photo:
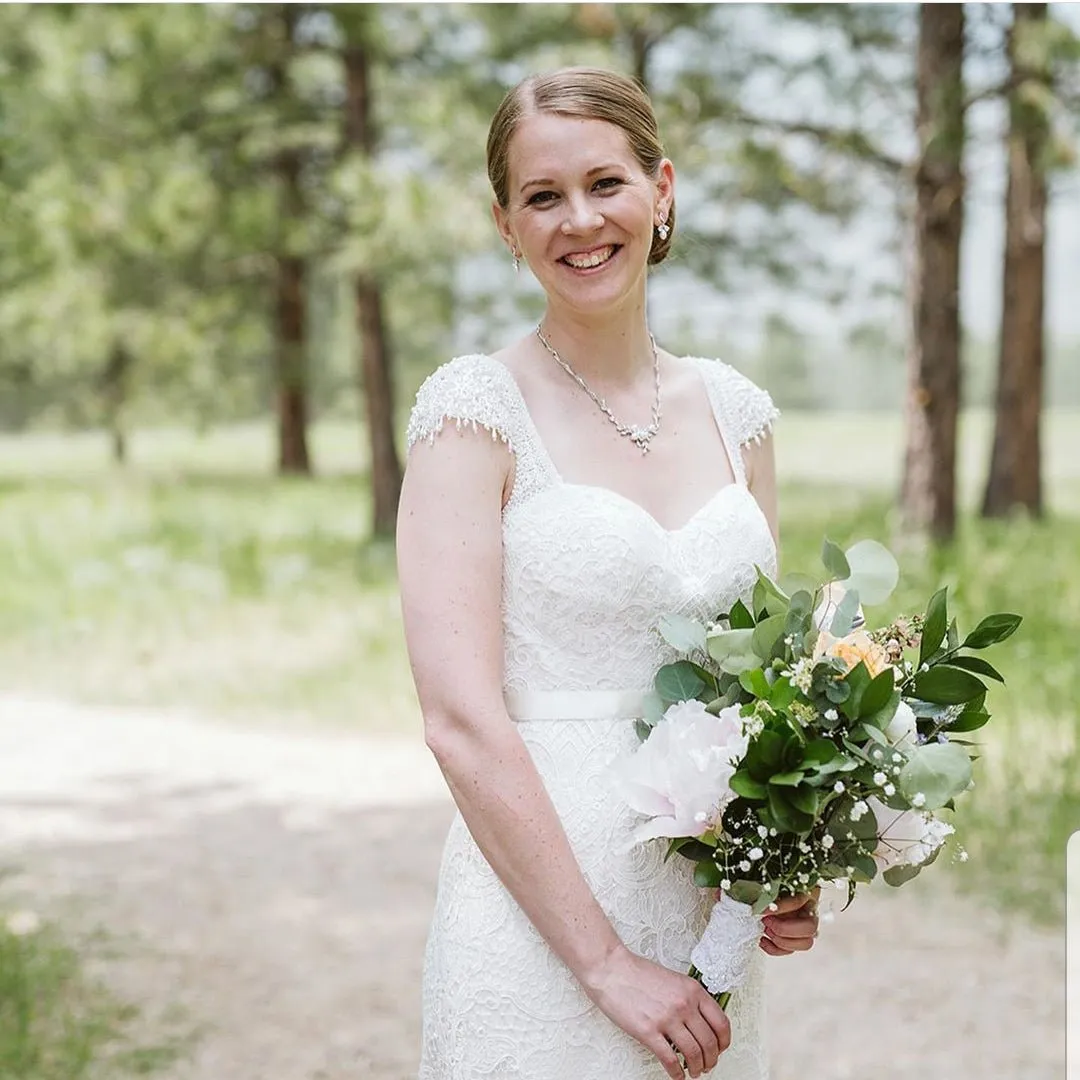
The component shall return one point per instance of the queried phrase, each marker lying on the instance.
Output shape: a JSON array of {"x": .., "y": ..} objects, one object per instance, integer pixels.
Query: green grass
[
  {"x": 57, "y": 1023},
  {"x": 196, "y": 579}
]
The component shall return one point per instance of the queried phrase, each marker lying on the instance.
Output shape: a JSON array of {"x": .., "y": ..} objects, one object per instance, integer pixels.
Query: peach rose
[{"x": 849, "y": 650}]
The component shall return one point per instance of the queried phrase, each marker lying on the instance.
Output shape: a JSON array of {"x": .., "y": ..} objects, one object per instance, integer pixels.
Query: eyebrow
[{"x": 591, "y": 172}]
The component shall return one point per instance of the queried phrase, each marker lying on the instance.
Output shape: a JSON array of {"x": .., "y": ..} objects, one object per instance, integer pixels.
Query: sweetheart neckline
[{"x": 714, "y": 497}]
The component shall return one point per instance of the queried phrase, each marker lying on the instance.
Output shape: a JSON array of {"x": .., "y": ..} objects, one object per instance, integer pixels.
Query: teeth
[{"x": 595, "y": 259}]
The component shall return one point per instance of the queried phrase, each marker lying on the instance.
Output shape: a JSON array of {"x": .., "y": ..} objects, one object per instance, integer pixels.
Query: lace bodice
[{"x": 587, "y": 573}]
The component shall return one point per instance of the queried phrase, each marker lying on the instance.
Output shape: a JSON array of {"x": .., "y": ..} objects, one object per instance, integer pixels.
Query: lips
[{"x": 590, "y": 260}]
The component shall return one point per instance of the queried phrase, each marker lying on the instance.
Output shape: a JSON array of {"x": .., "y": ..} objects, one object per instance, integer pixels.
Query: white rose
[
  {"x": 679, "y": 776},
  {"x": 903, "y": 728},
  {"x": 906, "y": 837}
]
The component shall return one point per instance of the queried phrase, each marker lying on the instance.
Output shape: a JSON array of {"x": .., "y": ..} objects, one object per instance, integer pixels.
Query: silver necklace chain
[{"x": 638, "y": 435}]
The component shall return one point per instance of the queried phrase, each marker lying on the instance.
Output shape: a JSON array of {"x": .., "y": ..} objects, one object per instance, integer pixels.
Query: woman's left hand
[{"x": 793, "y": 926}]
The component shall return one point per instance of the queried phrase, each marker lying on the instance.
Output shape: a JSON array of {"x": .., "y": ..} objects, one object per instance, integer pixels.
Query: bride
[{"x": 561, "y": 495}]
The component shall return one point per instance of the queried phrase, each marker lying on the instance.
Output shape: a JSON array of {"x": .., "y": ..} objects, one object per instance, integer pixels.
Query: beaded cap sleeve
[
  {"x": 477, "y": 392},
  {"x": 747, "y": 409}
]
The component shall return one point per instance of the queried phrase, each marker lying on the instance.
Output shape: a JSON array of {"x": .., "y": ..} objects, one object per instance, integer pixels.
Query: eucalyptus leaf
[
  {"x": 766, "y": 634},
  {"x": 846, "y": 611},
  {"x": 835, "y": 561},
  {"x": 874, "y": 572},
  {"x": 733, "y": 650},
  {"x": 776, "y": 600},
  {"x": 745, "y": 892},
  {"x": 678, "y": 682},
  {"x": 937, "y": 771},
  {"x": 681, "y": 633}
]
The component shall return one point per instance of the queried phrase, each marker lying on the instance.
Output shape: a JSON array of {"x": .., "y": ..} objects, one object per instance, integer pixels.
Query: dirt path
[{"x": 273, "y": 890}]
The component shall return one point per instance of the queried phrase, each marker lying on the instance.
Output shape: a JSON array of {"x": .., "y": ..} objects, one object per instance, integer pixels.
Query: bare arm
[
  {"x": 760, "y": 459},
  {"x": 449, "y": 545}
]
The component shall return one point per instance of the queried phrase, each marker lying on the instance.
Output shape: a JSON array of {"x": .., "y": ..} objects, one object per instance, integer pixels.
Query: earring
[
  {"x": 517, "y": 259},
  {"x": 662, "y": 230}
]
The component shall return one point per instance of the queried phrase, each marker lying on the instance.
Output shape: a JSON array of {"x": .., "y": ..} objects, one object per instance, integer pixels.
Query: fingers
[
  {"x": 665, "y": 1054},
  {"x": 717, "y": 1019},
  {"x": 706, "y": 1039},
  {"x": 791, "y": 933}
]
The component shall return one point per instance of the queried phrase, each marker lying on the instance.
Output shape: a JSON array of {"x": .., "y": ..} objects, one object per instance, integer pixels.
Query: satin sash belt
[{"x": 579, "y": 704}]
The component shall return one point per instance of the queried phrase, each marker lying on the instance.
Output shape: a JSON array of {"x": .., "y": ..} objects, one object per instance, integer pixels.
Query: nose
[{"x": 582, "y": 216}]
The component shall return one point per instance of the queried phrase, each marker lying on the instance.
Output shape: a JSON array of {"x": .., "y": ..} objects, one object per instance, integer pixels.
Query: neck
[{"x": 609, "y": 350}]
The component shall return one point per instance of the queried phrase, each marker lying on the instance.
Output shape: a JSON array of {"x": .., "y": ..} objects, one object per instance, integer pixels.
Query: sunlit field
[{"x": 196, "y": 580}]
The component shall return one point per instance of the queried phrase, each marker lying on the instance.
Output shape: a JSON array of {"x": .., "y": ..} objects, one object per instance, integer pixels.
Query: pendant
[{"x": 640, "y": 437}]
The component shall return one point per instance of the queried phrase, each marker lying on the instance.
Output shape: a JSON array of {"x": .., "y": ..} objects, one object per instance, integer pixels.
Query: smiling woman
[{"x": 535, "y": 558}]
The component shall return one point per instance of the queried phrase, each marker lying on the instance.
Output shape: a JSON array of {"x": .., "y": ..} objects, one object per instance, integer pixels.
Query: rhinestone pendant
[{"x": 640, "y": 437}]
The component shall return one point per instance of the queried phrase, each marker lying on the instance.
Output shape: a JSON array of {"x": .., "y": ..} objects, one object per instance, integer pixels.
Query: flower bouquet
[{"x": 792, "y": 746}]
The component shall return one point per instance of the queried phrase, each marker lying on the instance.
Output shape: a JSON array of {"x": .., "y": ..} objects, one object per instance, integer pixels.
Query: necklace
[{"x": 639, "y": 436}]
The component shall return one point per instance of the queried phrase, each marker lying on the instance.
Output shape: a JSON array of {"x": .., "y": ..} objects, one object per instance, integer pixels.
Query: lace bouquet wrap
[{"x": 792, "y": 746}]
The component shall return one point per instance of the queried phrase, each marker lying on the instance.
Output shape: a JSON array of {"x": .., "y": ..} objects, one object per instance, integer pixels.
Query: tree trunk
[
  {"x": 1015, "y": 477},
  {"x": 290, "y": 314},
  {"x": 376, "y": 356},
  {"x": 929, "y": 485},
  {"x": 115, "y": 382}
]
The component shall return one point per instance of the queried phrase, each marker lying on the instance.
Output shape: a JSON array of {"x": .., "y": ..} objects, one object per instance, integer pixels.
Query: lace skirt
[{"x": 499, "y": 1005}]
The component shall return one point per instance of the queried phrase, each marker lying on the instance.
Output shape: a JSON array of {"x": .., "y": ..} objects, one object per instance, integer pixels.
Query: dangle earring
[
  {"x": 662, "y": 229},
  {"x": 517, "y": 259}
]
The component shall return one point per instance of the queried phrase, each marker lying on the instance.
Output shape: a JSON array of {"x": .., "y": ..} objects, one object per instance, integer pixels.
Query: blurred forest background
[{"x": 236, "y": 238}]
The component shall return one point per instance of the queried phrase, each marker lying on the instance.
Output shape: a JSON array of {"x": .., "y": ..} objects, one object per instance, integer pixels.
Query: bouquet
[{"x": 793, "y": 746}]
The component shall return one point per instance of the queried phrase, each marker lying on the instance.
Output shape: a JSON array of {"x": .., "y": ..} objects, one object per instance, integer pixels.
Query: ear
[
  {"x": 665, "y": 188},
  {"x": 502, "y": 223}
]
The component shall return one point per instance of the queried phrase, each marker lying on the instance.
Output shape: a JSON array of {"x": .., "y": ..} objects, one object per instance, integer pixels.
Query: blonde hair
[{"x": 585, "y": 94}]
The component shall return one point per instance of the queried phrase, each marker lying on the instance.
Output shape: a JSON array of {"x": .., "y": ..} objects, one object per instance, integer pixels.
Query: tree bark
[
  {"x": 1015, "y": 478},
  {"x": 928, "y": 494},
  {"x": 115, "y": 380},
  {"x": 290, "y": 301},
  {"x": 376, "y": 355}
]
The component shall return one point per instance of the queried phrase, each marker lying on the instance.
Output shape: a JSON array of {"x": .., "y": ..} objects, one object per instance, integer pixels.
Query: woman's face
[{"x": 581, "y": 209}]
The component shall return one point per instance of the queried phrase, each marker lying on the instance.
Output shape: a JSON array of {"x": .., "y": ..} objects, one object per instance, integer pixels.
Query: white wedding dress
[{"x": 587, "y": 573}]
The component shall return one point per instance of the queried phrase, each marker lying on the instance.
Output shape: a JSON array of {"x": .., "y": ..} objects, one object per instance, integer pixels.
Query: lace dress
[{"x": 586, "y": 575}]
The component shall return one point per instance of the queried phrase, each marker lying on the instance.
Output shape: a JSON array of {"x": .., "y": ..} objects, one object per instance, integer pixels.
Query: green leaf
[
  {"x": 642, "y": 729},
  {"x": 793, "y": 583},
  {"x": 857, "y": 681},
  {"x": 874, "y": 572},
  {"x": 681, "y": 633},
  {"x": 835, "y": 561},
  {"x": 898, "y": 875},
  {"x": 837, "y": 691},
  {"x": 742, "y": 783},
  {"x": 788, "y": 818},
  {"x": 991, "y": 630},
  {"x": 865, "y": 867},
  {"x": 976, "y": 664},
  {"x": 934, "y": 625},
  {"x": 746, "y": 892},
  {"x": 877, "y": 694},
  {"x": 844, "y": 617},
  {"x": 766, "y": 634},
  {"x": 732, "y": 650},
  {"x": 939, "y": 771},
  {"x": 947, "y": 685},
  {"x": 820, "y": 751},
  {"x": 678, "y": 682},
  {"x": 754, "y": 682},
  {"x": 788, "y": 779},
  {"x": 707, "y": 875},
  {"x": 969, "y": 720},
  {"x": 690, "y": 848},
  {"x": 739, "y": 617},
  {"x": 776, "y": 600},
  {"x": 782, "y": 694},
  {"x": 805, "y": 798}
]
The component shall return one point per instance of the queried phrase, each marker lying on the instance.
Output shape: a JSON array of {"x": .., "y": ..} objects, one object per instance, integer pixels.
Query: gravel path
[{"x": 272, "y": 891}]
